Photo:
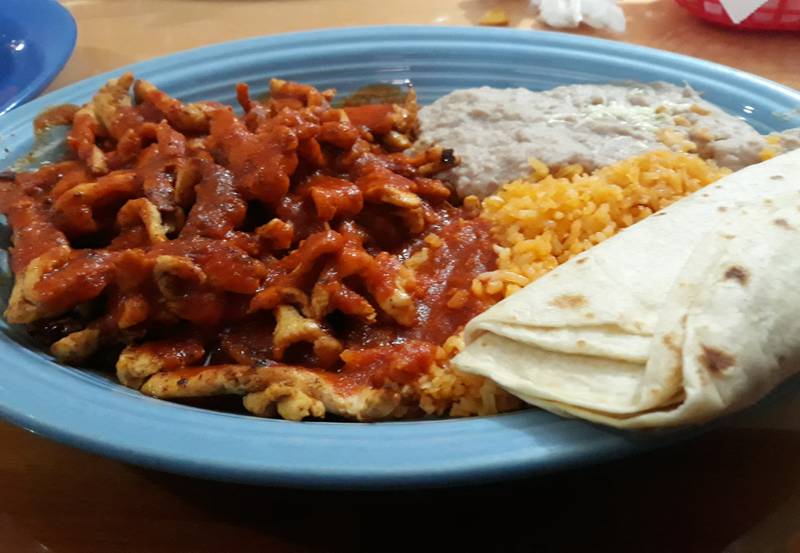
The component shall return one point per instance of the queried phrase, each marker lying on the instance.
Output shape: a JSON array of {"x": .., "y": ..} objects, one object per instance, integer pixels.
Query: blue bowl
[
  {"x": 36, "y": 40},
  {"x": 91, "y": 411}
]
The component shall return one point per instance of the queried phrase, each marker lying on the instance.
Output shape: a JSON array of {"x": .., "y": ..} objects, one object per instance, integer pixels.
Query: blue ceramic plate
[
  {"x": 92, "y": 412},
  {"x": 36, "y": 40}
]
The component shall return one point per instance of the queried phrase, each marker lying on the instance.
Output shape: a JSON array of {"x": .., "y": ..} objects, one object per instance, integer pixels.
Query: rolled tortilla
[{"x": 692, "y": 313}]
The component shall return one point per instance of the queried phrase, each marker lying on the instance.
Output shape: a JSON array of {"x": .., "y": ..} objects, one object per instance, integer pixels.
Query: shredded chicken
[
  {"x": 141, "y": 210},
  {"x": 107, "y": 103},
  {"x": 74, "y": 209},
  {"x": 184, "y": 117},
  {"x": 76, "y": 347},
  {"x": 259, "y": 255},
  {"x": 26, "y": 304},
  {"x": 134, "y": 366},
  {"x": 365, "y": 404},
  {"x": 284, "y": 400},
  {"x": 293, "y": 328}
]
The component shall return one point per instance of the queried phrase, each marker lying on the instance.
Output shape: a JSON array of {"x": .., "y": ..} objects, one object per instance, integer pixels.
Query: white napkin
[
  {"x": 600, "y": 14},
  {"x": 739, "y": 10}
]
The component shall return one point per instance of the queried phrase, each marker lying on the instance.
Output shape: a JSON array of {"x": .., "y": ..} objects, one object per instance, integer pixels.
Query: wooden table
[{"x": 735, "y": 489}]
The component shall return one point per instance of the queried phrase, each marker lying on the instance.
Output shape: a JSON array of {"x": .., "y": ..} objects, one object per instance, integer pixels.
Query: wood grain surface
[{"x": 735, "y": 489}]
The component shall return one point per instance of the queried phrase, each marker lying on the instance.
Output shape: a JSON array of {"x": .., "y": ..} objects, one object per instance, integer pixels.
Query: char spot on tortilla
[
  {"x": 722, "y": 209},
  {"x": 783, "y": 223},
  {"x": 716, "y": 361},
  {"x": 659, "y": 214},
  {"x": 669, "y": 341},
  {"x": 737, "y": 273},
  {"x": 581, "y": 343},
  {"x": 581, "y": 261},
  {"x": 569, "y": 301},
  {"x": 728, "y": 236},
  {"x": 776, "y": 177}
]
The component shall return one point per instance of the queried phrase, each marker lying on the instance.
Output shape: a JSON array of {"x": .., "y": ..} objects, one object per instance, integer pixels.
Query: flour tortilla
[{"x": 692, "y": 313}]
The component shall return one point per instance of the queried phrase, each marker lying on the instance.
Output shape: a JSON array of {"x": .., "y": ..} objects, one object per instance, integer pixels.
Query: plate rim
[
  {"x": 555, "y": 37},
  {"x": 615, "y": 443}
]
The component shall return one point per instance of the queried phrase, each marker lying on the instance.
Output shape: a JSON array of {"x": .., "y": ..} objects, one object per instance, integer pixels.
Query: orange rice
[{"x": 542, "y": 221}]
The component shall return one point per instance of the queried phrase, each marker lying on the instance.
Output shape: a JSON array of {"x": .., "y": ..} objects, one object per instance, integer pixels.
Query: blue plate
[
  {"x": 36, "y": 40},
  {"x": 90, "y": 411}
]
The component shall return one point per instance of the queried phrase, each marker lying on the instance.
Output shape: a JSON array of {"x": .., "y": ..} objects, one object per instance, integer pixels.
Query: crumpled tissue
[{"x": 600, "y": 14}]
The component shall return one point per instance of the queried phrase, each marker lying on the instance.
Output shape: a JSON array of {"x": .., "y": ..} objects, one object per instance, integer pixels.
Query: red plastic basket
[{"x": 776, "y": 15}]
